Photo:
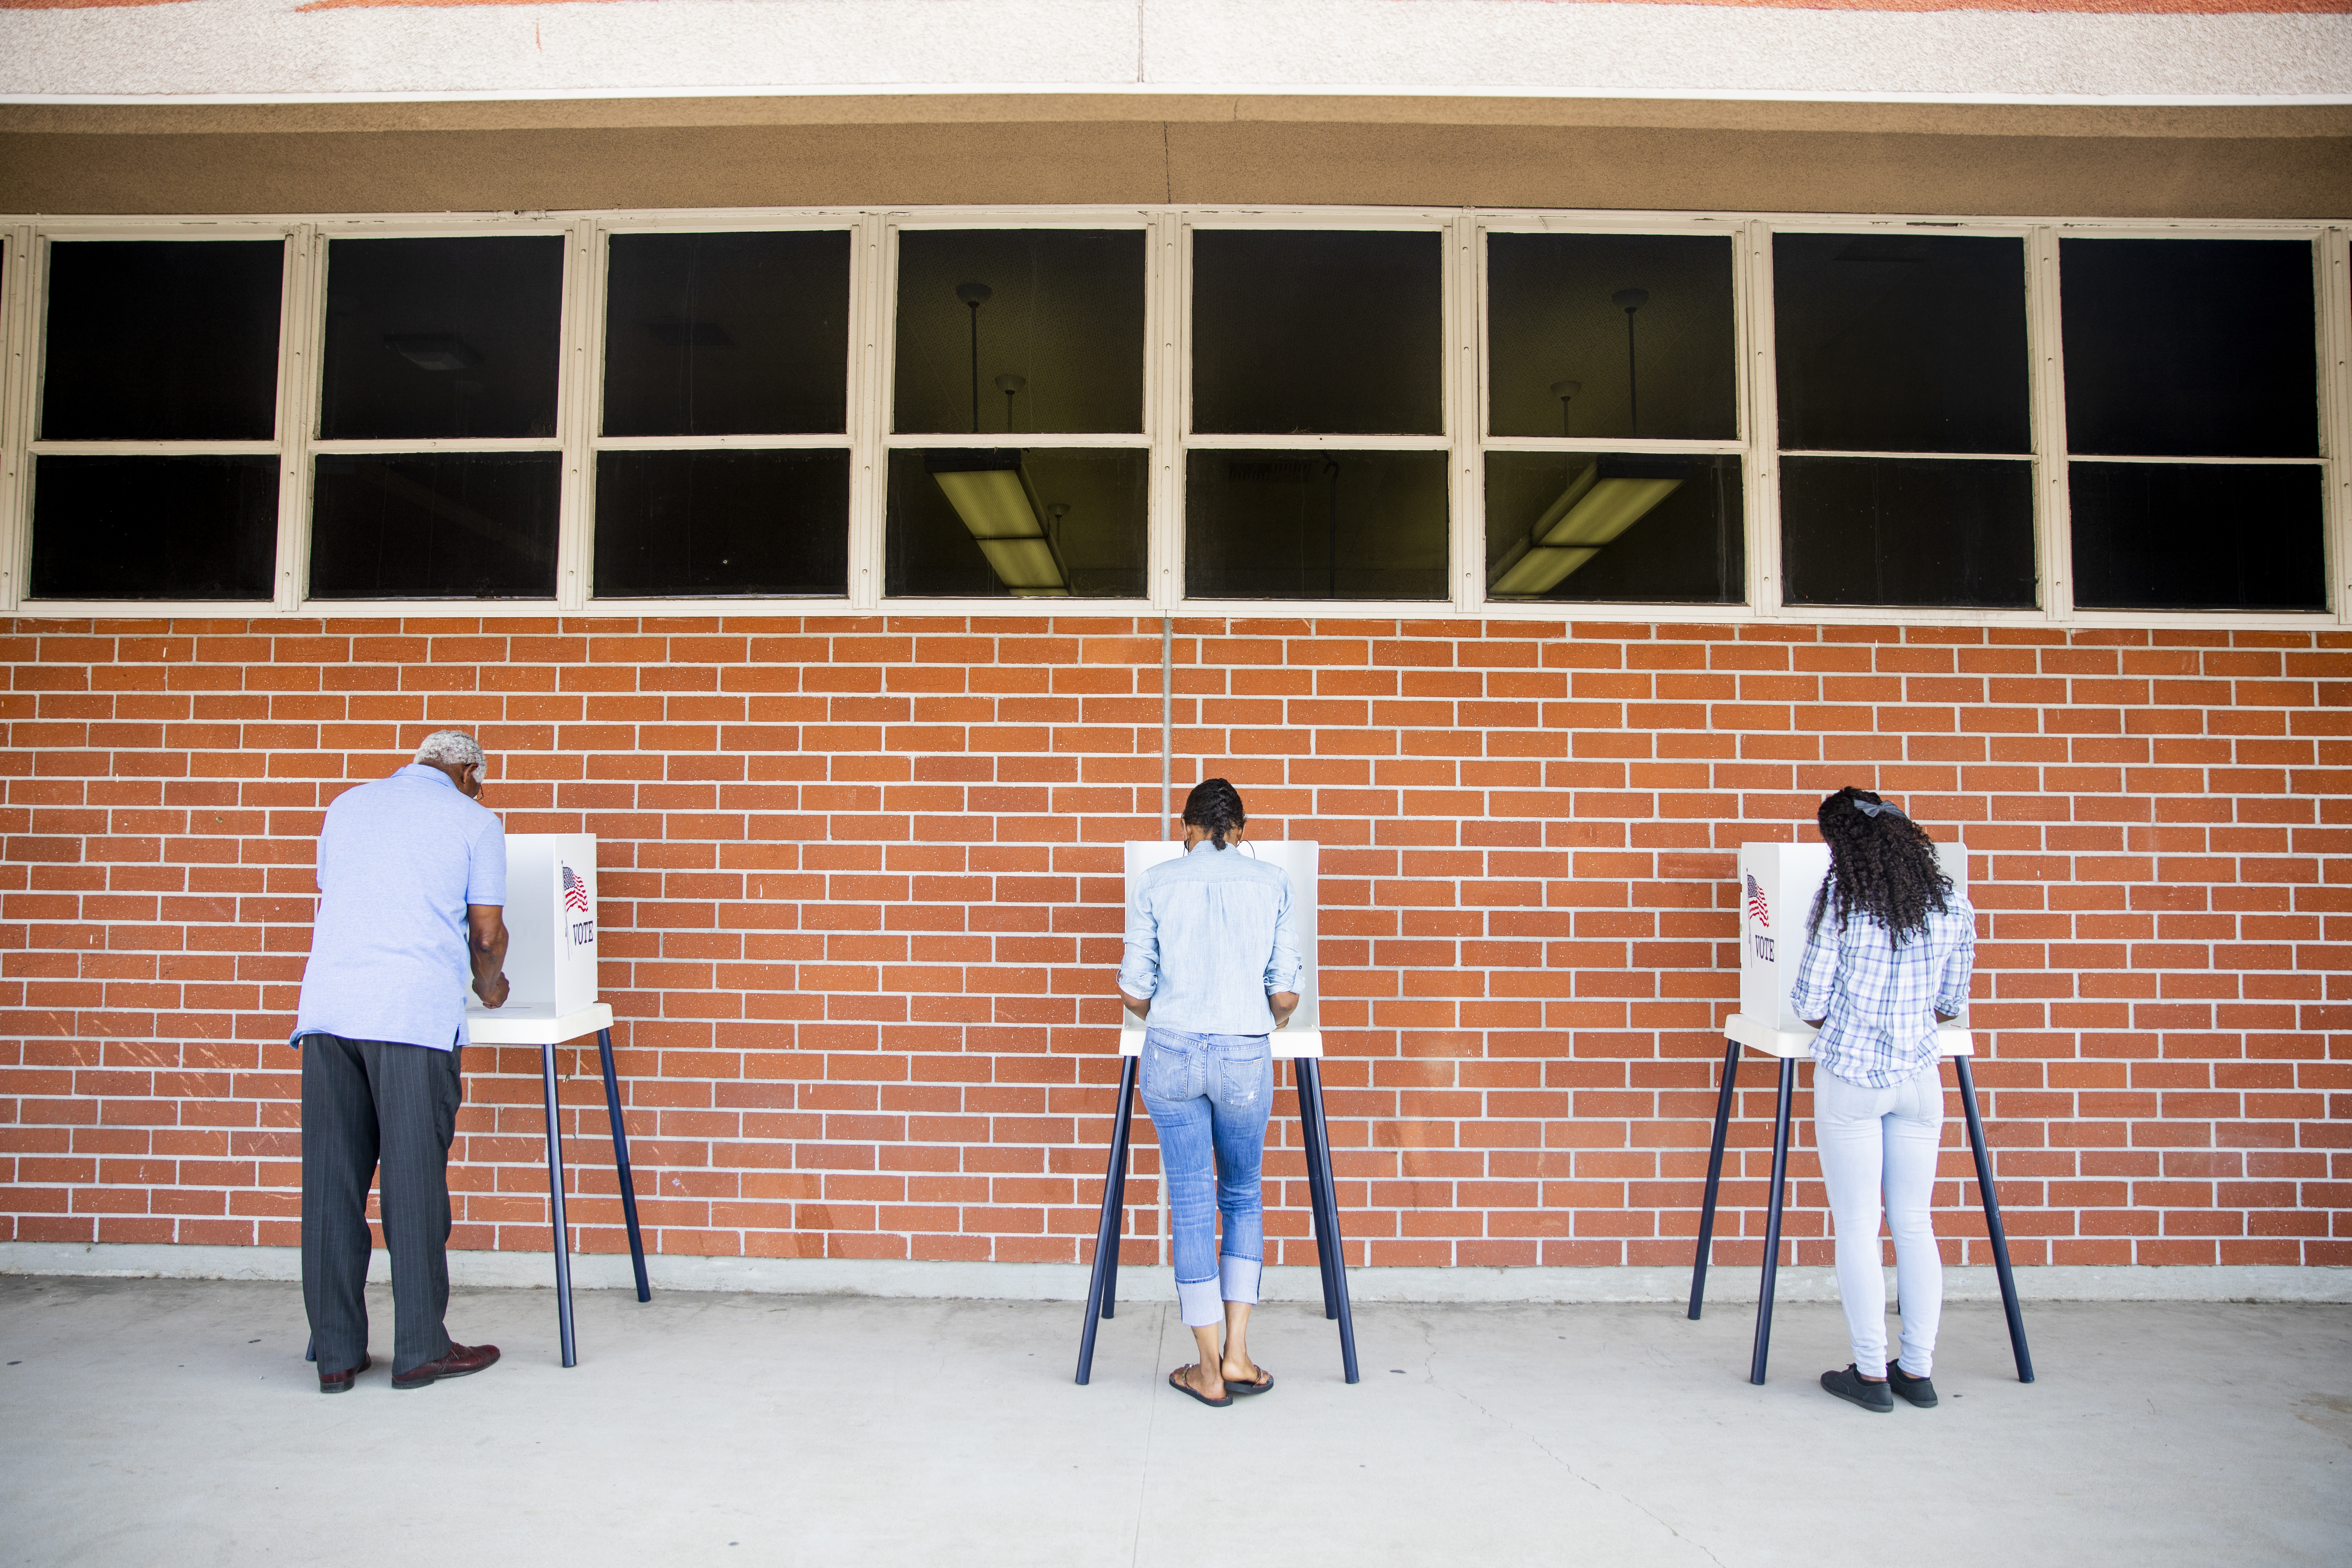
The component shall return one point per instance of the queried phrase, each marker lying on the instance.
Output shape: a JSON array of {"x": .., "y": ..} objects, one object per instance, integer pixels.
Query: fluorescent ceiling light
[
  {"x": 1604, "y": 498},
  {"x": 433, "y": 351},
  {"x": 990, "y": 491}
]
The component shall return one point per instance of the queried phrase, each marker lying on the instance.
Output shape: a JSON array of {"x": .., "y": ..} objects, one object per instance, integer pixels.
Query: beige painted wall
[{"x": 2272, "y": 163}]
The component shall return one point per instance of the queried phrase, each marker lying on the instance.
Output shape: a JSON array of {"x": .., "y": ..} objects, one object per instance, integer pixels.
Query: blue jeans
[{"x": 1209, "y": 1096}]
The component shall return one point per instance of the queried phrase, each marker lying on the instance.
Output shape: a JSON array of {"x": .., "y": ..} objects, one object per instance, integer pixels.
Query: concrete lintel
[{"x": 1067, "y": 1281}]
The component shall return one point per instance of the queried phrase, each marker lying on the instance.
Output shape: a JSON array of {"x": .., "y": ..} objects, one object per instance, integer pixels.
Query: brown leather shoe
[
  {"x": 341, "y": 1382},
  {"x": 461, "y": 1361}
]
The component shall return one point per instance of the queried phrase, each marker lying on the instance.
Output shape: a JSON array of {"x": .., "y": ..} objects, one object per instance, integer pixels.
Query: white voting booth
[
  {"x": 1777, "y": 883},
  {"x": 550, "y": 945},
  {"x": 1300, "y": 1042},
  {"x": 551, "y": 967},
  {"x": 1303, "y": 1035}
]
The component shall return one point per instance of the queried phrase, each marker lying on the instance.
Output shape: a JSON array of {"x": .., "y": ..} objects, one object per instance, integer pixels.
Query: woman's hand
[
  {"x": 1138, "y": 1005},
  {"x": 1284, "y": 1002}
]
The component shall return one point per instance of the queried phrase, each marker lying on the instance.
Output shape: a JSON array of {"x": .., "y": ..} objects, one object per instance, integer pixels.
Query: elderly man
[{"x": 413, "y": 876}]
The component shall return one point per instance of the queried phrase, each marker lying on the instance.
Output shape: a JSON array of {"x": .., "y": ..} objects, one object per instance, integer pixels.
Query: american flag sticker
[
  {"x": 1757, "y": 910},
  {"x": 575, "y": 891}
]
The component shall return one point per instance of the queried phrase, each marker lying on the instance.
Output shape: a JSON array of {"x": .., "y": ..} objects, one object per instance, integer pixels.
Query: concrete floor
[{"x": 171, "y": 1422}]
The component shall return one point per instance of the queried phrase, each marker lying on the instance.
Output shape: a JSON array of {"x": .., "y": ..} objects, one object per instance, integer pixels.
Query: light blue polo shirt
[{"x": 399, "y": 860}]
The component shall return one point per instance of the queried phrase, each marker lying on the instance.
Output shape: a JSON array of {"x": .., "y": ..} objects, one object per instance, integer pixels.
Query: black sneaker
[
  {"x": 1919, "y": 1390},
  {"x": 1851, "y": 1386}
]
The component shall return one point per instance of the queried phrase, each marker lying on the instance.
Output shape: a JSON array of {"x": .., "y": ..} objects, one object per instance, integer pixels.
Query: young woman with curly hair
[{"x": 1888, "y": 953}]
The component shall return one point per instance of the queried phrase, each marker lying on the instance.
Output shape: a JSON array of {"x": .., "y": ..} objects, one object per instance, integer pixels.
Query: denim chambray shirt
[{"x": 1209, "y": 938}]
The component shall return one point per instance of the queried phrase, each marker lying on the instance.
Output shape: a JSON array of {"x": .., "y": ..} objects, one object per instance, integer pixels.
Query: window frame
[
  {"x": 1455, "y": 316},
  {"x": 874, "y": 230},
  {"x": 2332, "y": 326},
  {"x": 1742, "y": 443},
  {"x": 576, "y": 566},
  {"x": 1153, "y": 438},
  {"x": 2041, "y": 347},
  {"x": 24, "y": 318}
]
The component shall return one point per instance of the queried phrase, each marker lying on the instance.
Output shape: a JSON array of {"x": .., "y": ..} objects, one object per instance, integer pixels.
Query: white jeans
[{"x": 1868, "y": 1138}]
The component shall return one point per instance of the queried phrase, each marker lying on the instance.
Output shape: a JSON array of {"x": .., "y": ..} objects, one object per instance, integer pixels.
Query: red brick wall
[{"x": 861, "y": 884}]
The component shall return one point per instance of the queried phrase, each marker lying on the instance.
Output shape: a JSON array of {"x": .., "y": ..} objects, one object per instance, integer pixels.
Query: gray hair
[{"x": 454, "y": 747}]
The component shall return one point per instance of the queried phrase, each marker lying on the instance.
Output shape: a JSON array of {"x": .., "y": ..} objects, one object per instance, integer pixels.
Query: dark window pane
[
  {"x": 1585, "y": 526},
  {"x": 161, "y": 341},
  {"x": 1040, "y": 524},
  {"x": 1901, "y": 343},
  {"x": 722, "y": 522},
  {"x": 1315, "y": 525},
  {"x": 155, "y": 527},
  {"x": 1060, "y": 325},
  {"x": 1881, "y": 531},
  {"x": 2197, "y": 536},
  {"x": 1336, "y": 332},
  {"x": 2189, "y": 348},
  {"x": 726, "y": 334},
  {"x": 1561, "y": 360},
  {"x": 431, "y": 338},
  {"x": 471, "y": 525}
]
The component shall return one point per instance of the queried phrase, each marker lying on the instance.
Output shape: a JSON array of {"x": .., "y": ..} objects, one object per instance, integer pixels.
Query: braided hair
[
  {"x": 1215, "y": 805},
  {"x": 1881, "y": 863}
]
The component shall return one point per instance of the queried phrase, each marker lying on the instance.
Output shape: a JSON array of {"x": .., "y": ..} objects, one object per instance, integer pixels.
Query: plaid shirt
[{"x": 1878, "y": 1001}]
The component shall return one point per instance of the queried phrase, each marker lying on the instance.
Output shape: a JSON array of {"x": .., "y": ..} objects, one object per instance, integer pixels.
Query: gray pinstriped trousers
[{"x": 366, "y": 1102}]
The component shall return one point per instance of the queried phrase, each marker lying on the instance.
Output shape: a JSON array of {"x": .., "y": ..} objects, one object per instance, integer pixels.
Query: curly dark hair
[
  {"x": 1881, "y": 863},
  {"x": 1215, "y": 805}
]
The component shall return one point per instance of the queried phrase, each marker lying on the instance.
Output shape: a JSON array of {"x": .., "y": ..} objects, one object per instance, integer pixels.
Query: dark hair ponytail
[
  {"x": 1215, "y": 805},
  {"x": 1881, "y": 862}
]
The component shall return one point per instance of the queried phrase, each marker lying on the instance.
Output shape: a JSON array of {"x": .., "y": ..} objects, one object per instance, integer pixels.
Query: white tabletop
[
  {"x": 1950, "y": 1039},
  {"x": 1289, "y": 1045},
  {"x": 533, "y": 1025}
]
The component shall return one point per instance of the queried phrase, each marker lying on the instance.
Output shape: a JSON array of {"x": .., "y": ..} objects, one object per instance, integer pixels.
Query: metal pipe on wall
[{"x": 1167, "y": 718}]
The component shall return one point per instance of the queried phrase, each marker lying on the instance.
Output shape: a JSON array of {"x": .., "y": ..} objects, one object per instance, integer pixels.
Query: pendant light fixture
[
  {"x": 990, "y": 491},
  {"x": 1603, "y": 499}
]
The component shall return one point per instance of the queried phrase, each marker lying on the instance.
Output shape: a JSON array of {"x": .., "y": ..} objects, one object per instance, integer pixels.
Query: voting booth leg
[
  {"x": 1117, "y": 1196},
  {"x": 1772, "y": 1219},
  {"x": 1714, "y": 1179},
  {"x": 1102, "y": 1288},
  {"x": 1310, "y": 1139},
  {"x": 555, "y": 1199},
  {"x": 1992, "y": 1224},
  {"x": 1328, "y": 1242},
  {"x": 621, "y": 1164}
]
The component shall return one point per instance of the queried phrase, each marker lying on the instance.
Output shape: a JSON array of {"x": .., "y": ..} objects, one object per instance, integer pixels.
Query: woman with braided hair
[
  {"x": 1888, "y": 953},
  {"x": 1212, "y": 963}
]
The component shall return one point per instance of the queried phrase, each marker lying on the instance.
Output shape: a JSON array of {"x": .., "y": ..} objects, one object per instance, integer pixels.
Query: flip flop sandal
[
  {"x": 1176, "y": 1381},
  {"x": 1265, "y": 1380}
]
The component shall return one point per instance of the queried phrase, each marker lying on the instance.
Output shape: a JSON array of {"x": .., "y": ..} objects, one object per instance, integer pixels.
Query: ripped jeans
[{"x": 1209, "y": 1096}]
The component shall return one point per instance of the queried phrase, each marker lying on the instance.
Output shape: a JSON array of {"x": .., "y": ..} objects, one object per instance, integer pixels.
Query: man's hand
[
  {"x": 486, "y": 945},
  {"x": 1284, "y": 1002},
  {"x": 1138, "y": 1005}
]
